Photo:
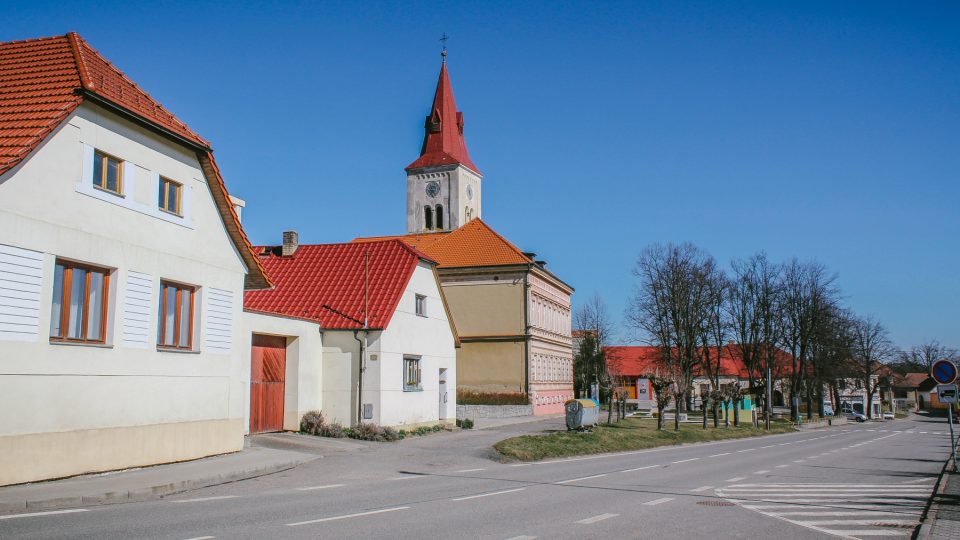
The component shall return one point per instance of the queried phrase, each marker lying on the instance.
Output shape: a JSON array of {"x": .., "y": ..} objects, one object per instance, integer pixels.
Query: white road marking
[
  {"x": 579, "y": 479},
  {"x": 50, "y": 513},
  {"x": 488, "y": 494},
  {"x": 346, "y": 516},
  {"x": 641, "y": 468},
  {"x": 204, "y": 499},
  {"x": 918, "y": 480},
  {"x": 761, "y": 472},
  {"x": 746, "y": 450},
  {"x": 782, "y": 466},
  {"x": 834, "y": 508},
  {"x": 470, "y": 470},
  {"x": 718, "y": 455},
  {"x": 658, "y": 501},
  {"x": 409, "y": 477},
  {"x": 771, "y": 446},
  {"x": 736, "y": 479},
  {"x": 685, "y": 460},
  {"x": 328, "y": 486},
  {"x": 202, "y": 538},
  {"x": 701, "y": 488},
  {"x": 595, "y": 519},
  {"x": 523, "y": 538}
]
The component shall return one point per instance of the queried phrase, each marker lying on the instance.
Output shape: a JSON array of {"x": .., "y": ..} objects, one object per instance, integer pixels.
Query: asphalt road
[{"x": 856, "y": 481}]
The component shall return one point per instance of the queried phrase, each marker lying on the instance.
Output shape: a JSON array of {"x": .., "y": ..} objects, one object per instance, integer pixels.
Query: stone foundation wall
[{"x": 493, "y": 411}]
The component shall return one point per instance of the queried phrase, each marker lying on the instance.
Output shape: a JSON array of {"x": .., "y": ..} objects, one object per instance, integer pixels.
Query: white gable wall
[{"x": 147, "y": 406}]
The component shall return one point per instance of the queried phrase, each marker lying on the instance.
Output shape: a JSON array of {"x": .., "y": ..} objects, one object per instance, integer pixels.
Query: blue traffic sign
[{"x": 944, "y": 371}]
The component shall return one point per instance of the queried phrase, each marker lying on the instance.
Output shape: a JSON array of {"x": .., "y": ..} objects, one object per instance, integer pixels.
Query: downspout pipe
[
  {"x": 526, "y": 331},
  {"x": 360, "y": 369}
]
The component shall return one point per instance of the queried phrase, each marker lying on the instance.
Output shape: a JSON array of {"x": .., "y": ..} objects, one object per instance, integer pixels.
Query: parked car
[
  {"x": 888, "y": 415},
  {"x": 827, "y": 410},
  {"x": 854, "y": 415}
]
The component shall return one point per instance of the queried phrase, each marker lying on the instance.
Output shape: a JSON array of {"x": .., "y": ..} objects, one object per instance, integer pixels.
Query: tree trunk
[
  {"x": 726, "y": 414},
  {"x": 703, "y": 409},
  {"x": 660, "y": 417},
  {"x": 677, "y": 402},
  {"x": 609, "y": 408},
  {"x": 736, "y": 413},
  {"x": 716, "y": 413}
]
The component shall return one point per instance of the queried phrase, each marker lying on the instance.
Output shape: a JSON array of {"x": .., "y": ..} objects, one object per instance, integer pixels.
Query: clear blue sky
[{"x": 826, "y": 130}]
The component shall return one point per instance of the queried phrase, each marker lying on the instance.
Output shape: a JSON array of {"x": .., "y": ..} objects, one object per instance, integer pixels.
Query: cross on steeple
[{"x": 443, "y": 52}]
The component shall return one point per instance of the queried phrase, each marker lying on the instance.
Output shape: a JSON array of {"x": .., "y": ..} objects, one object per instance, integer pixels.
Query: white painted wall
[
  {"x": 303, "y": 385},
  {"x": 54, "y": 395}
]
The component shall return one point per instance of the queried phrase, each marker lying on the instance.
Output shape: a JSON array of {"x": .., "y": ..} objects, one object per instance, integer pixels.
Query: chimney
[
  {"x": 238, "y": 205},
  {"x": 290, "y": 243}
]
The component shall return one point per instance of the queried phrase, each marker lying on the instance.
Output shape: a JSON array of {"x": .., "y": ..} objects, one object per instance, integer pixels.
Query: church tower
[{"x": 443, "y": 184}]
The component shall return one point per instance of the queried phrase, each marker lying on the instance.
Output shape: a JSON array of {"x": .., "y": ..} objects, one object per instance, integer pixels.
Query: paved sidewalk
[
  {"x": 489, "y": 423},
  {"x": 149, "y": 482},
  {"x": 943, "y": 516}
]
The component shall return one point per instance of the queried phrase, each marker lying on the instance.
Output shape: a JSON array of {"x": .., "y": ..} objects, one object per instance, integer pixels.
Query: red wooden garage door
[{"x": 268, "y": 365}]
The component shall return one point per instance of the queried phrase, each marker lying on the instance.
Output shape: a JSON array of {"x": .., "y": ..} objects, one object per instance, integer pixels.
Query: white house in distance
[
  {"x": 122, "y": 270},
  {"x": 359, "y": 331}
]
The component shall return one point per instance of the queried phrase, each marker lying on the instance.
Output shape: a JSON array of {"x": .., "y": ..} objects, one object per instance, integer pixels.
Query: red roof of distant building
[
  {"x": 42, "y": 81},
  {"x": 474, "y": 244},
  {"x": 912, "y": 380},
  {"x": 637, "y": 361},
  {"x": 443, "y": 142},
  {"x": 325, "y": 283}
]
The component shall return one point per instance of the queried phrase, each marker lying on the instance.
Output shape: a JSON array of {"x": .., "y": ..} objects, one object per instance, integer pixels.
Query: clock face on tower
[
  {"x": 433, "y": 189},
  {"x": 469, "y": 192}
]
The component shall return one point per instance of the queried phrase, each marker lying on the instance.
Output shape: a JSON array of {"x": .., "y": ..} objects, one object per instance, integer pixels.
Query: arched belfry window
[
  {"x": 427, "y": 218},
  {"x": 439, "y": 216}
]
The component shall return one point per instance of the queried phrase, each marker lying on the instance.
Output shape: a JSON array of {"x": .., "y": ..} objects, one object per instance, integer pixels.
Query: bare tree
[
  {"x": 921, "y": 357},
  {"x": 594, "y": 319},
  {"x": 871, "y": 349},
  {"x": 668, "y": 309},
  {"x": 661, "y": 392},
  {"x": 806, "y": 294},
  {"x": 753, "y": 306},
  {"x": 713, "y": 334}
]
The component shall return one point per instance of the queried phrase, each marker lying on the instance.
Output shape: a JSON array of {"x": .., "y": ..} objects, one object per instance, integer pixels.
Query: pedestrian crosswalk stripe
[{"x": 841, "y": 509}]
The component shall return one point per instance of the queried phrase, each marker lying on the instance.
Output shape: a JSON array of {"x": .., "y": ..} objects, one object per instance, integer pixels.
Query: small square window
[
  {"x": 107, "y": 173},
  {"x": 421, "y": 305},
  {"x": 411, "y": 374},
  {"x": 170, "y": 198},
  {"x": 175, "y": 327}
]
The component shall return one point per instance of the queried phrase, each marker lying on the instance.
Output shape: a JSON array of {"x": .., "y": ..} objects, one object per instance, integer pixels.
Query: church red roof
[
  {"x": 443, "y": 142},
  {"x": 325, "y": 283},
  {"x": 42, "y": 81}
]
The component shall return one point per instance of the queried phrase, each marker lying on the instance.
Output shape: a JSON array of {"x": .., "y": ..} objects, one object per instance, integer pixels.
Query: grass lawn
[{"x": 629, "y": 434}]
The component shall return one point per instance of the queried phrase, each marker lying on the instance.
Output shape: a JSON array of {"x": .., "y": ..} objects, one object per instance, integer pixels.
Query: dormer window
[
  {"x": 171, "y": 196},
  {"x": 107, "y": 173}
]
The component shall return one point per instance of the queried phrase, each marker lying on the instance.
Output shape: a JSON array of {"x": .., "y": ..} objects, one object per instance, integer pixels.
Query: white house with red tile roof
[
  {"x": 359, "y": 331},
  {"x": 122, "y": 270}
]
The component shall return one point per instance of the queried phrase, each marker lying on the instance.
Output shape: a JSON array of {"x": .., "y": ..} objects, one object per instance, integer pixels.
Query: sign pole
[
  {"x": 953, "y": 442},
  {"x": 767, "y": 402}
]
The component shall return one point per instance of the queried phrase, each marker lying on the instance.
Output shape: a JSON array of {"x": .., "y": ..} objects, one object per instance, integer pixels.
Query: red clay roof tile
[
  {"x": 42, "y": 81},
  {"x": 325, "y": 283},
  {"x": 443, "y": 142}
]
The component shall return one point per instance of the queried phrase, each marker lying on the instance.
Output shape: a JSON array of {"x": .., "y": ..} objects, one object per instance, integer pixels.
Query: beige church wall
[
  {"x": 77, "y": 396},
  {"x": 491, "y": 367},
  {"x": 490, "y": 309}
]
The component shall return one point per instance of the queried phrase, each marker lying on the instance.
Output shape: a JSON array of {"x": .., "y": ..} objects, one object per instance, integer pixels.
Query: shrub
[
  {"x": 467, "y": 397},
  {"x": 466, "y": 423},
  {"x": 390, "y": 434},
  {"x": 334, "y": 430},
  {"x": 312, "y": 422},
  {"x": 367, "y": 432},
  {"x": 438, "y": 427}
]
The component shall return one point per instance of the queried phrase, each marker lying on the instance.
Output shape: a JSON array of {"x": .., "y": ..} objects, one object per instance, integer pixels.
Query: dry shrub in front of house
[
  {"x": 334, "y": 430},
  {"x": 312, "y": 422},
  {"x": 373, "y": 432},
  {"x": 467, "y": 397}
]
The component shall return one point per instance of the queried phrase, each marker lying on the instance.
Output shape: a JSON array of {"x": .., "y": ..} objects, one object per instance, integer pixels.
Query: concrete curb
[
  {"x": 147, "y": 493},
  {"x": 930, "y": 512}
]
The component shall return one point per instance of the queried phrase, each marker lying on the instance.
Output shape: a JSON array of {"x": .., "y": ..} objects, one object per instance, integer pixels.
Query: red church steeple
[{"x": 443, "y": 142}]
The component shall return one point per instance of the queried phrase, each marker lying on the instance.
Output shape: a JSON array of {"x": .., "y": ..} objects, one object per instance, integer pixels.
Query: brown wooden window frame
[
  {"x": 161, "y": 331},
  {"x": 164, "y": 194},
  {"x": 101, "y": 183},
  {"x": 66, "y": 286},
  {"x": 412, "y": 374}
]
